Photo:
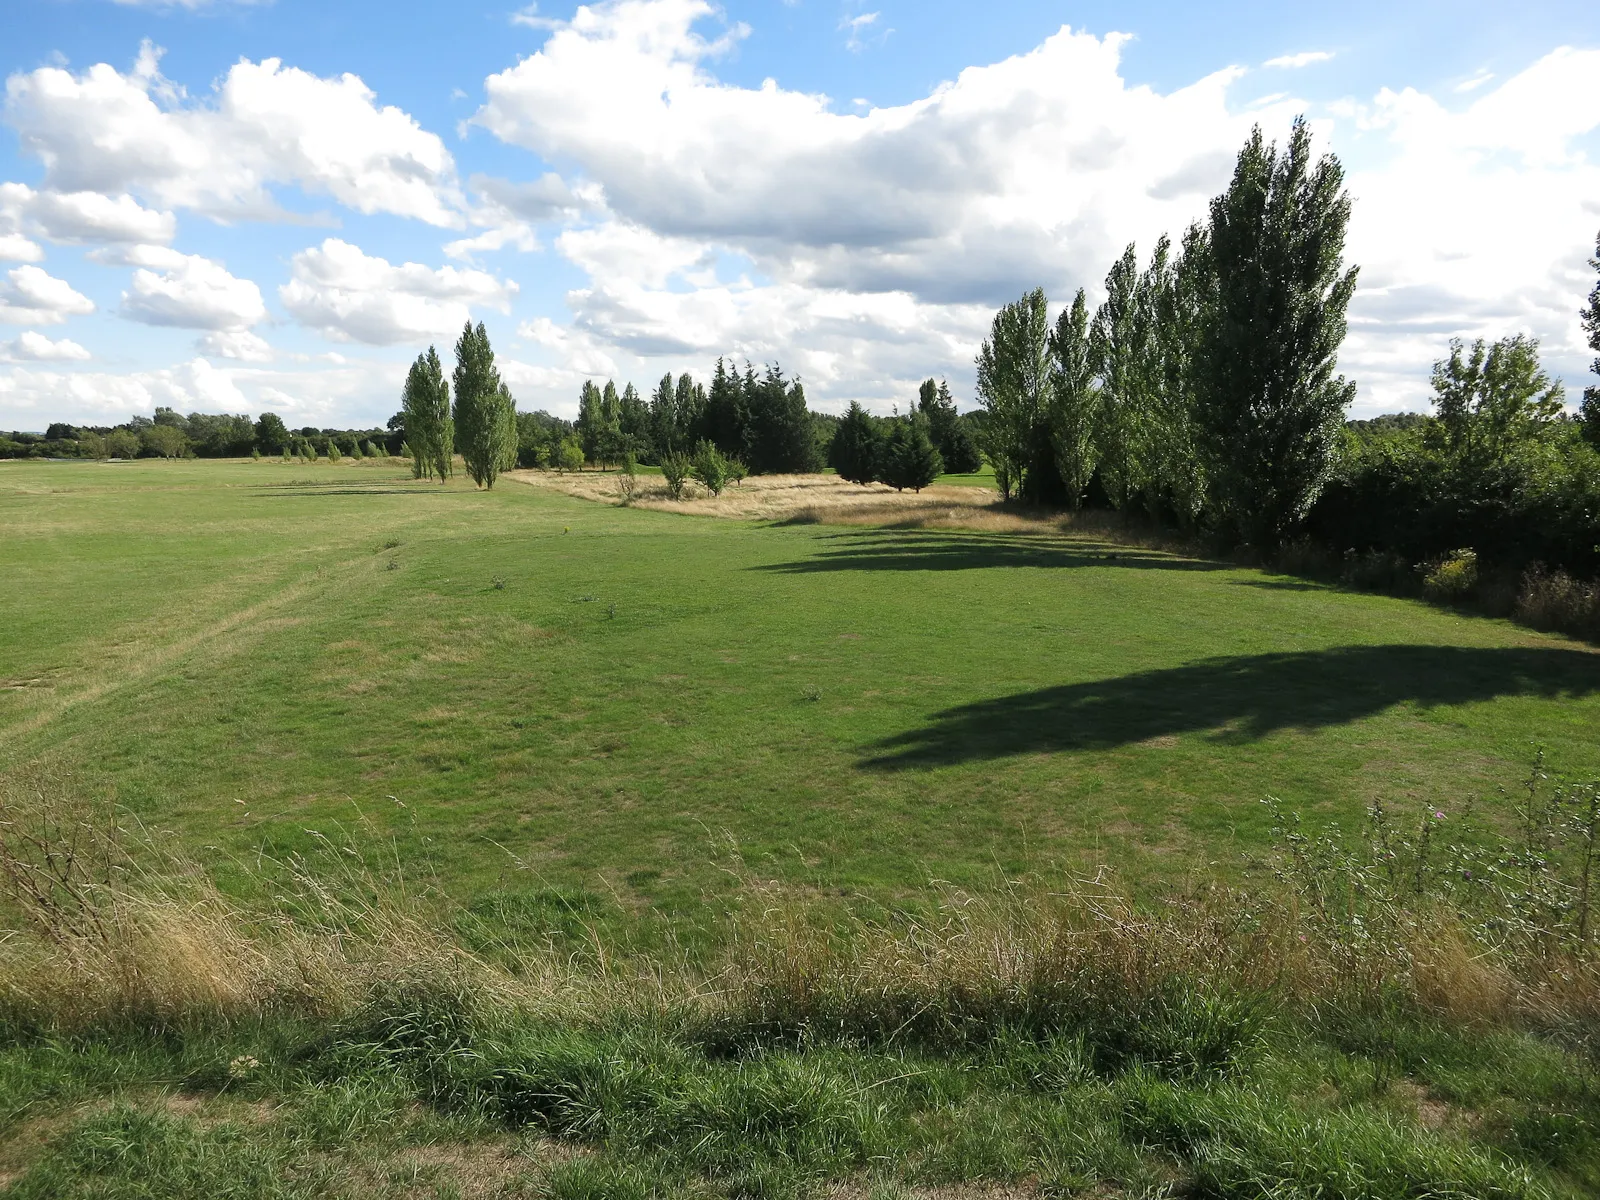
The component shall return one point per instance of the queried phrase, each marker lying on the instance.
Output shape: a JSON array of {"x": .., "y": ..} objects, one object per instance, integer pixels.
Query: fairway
[{"x": 526, "y": 690}]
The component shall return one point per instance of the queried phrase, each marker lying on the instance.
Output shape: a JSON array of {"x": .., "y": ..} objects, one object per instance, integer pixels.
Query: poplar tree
[
  {"x": 485, "y": 416},
  {"x": 1589, "y": 410},
  {"x": 430, "y": 432},
  {"x": 589, "y": 420},
  {"x": 1074, "y": 404},
  {"x": 1119, "y": 344},
  {"x": 1013, "y": 381},
  {"x": 1270, "y": 405}
]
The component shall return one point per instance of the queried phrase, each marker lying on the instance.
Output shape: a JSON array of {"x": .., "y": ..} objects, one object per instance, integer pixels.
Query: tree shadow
[
  {"x": 935, "y": 551},
  {"x": 1239, "y": 698}
]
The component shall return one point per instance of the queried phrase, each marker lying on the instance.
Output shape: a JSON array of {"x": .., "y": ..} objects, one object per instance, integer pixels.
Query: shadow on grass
[
  {"x": 1240, "y": 698},
  {"x": 922, "y": 551}
]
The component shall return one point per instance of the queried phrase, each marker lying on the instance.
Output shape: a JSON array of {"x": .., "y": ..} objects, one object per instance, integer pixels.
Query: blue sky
[{"x": 274, "y": 206}]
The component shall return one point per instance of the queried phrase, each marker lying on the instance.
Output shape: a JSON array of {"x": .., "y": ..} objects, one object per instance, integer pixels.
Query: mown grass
[{"x": 246, "y": 652}]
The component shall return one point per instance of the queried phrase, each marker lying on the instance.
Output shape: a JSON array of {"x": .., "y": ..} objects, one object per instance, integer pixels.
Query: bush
[
  {"x": 1453, "y": 578},
  {"x": 710, "y": 468},
  {"x": 675, "y": 469},
  {"x": 1554, "y": 600}
]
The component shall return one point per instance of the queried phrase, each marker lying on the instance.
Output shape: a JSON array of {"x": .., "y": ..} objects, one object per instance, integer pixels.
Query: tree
[
  {"x": 855, "y": 449},
  {"x": 609, "y": 439},
  {"x": 710, "y": 468},
  {"x": 569, "y": 454},
  {"x": 778, "y": 438},
  {"x": 599, "y": 427},
  {"x": 425, "y": 412},
  {"x": 633, "y": 415},
  {"x": 1270, "y": 406},
  {"x": 122, "y": 443},
  {"x": 1493, "y": 398},
  {"x": 726, "y": 410},
  {"x": 1074, "y": 403},
  {"x": 1177, "y": 473},
  {"x": 1590, "y": 408},
  {"x": 163, "y": 440},
  {"x": 1013, "y": 382},
  {"x": 272, "y": 435},
  {"x": 910, "y": 459},
  {"x": 485, "y": 415},
  {"x": 675, "y": 468},
  {"x": 1121, "y": 342}
]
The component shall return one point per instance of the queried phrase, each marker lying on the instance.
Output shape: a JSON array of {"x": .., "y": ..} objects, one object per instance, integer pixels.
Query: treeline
[
  {"x": 170, "y": 434},
  {"x": 908, "y": 451},
  {"x": 1203, "y": 393}
]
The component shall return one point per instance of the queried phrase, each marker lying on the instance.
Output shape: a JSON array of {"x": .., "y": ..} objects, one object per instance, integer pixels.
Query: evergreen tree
[
  {"x": 726, "y": 415},
  {"x": 485, "y": 417},
  {"x": 947, "y": 429},
  {"x": 1590, "y": 408},
  {"x": 778, "y": 438},
  {"x": 1270, "y": 405},
  {"x": 910, "y": 459},
  {"x": 425, "y": 409},
  {"x": 854, "y": 452},
  {"x": 1013, "y": 382},
  {"x": 1074, "y": 400}
]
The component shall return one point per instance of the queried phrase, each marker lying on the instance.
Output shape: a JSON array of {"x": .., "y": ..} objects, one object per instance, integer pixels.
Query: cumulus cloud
[
  {"x": 351, "y": 296},
  {"x": 35, "y": 347},
  {"x": 189, "y": 291},
  {"x": 1035, "y": 170},
  {"x": 114, "y": 132},
  {"x": 31, "y": 296}
]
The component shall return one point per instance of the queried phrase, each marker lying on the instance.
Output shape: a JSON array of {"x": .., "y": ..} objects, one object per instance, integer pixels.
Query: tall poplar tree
[
  {"x": 1590, "y": 408},
  {"x": 1074, "y": 400},
  {"x": 485, "y": 416},
  {"x": 1270, "y": 405},
  {"x": 1013, "y": 383},
  {"x": 430, "y": 432}
]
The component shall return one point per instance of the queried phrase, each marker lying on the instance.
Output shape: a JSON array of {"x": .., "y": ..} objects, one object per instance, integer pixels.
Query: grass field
[
  {"x": 246, "y": 651},
  {"x": 719, "y": 811}
]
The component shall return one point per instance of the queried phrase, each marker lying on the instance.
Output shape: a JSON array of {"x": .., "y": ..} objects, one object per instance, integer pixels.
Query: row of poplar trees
[
  {"x": 481, "y": 425},
  {"x": 1203, "y": 389}
]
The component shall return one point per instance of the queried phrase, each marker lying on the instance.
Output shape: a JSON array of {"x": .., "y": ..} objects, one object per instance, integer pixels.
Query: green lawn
[{"x": 242, "y": 653}]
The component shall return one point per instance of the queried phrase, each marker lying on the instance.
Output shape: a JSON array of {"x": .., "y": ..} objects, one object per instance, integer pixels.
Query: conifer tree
[
  {"x": 485, "y": 416},
  {"x": 1270, "y": 406},
  {"x": 910, "y": 459},
  {"x": 855, "y": 449},
  {"x": 430, "y": 431}
]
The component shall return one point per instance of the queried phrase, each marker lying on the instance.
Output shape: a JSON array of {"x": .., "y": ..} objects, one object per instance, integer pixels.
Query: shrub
[
  {"x": 675, "y": 469},
  {"x": 1453, "y": 578},
  {"x": 710, "y": 468},
  {"x": 1554, "y": 600},
  {"x": 628, "y": 477}
]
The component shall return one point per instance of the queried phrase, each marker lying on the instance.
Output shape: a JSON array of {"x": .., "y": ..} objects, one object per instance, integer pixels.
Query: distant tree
[
  {"x": 426, "y": 420},
  {"x": 371, "y": 449},
  {"x": 122, "y": 443},
  {"x": 778, "y": 438},
  {"x": 92, "y": 445},
  {"x": 1074, "y": 400},
  {"x": 591, "y": 420},
  {"x": 1270, "y": 405},
  {"x": 633, "y": 415},
  {"x": 1493, "y": 397},
  {"x": 1176, "y": 462},
  {"x": 1013, "y": 386},
  {"x": 485, "y": 415},
  {"x": 60, "y": 431},
  {"x": 910, "y": 459},
  {"x": 271, "y": 434},
  {"x": 171, "y": 418},
  {"x": 334, "y": 454},
  {"x": 726, "y": 413},
  {"x": 675, "y": 469},
  {"x": 163, "y": 440},
  {"x": 710, "y": 468},
  {"x": 855, "y": 450},
  {"x": 569, "y": 454},
  {"x": 948, "y": 431},
  {"x": 1590, "y": 408}
]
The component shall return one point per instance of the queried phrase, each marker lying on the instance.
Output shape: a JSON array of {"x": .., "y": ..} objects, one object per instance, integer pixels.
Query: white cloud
[
  {"x": 112, "y": 132},
  {"x": 855, "y": 27},
  {"x": 74, "y": 218},
  {"x": 351, "y": 296},
  {"x": 190, "y": 292},
  {"x": 31, "y": 296},
  {"x": 1304, "y": 59},
  {"x": 1035, "y": 170},
  {"x": 16, "y": 248},
  {"x": 238, "y": 344},
  {"x": 35, "y": 347}
]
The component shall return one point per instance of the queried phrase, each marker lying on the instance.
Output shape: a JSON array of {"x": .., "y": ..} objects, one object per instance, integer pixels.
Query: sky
[{"x": 227, "y": 206}]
